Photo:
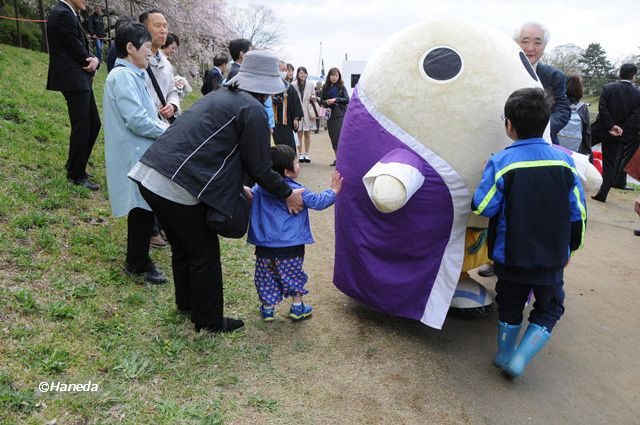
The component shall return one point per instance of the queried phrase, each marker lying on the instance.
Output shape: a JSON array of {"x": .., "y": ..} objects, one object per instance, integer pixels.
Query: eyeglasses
[{"x": 503, "y": 118}]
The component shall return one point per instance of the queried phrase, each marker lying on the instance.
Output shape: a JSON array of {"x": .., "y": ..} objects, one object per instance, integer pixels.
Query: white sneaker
[
  {"x": 306, "y": 158},
  {"x": 301, "y": 157}
]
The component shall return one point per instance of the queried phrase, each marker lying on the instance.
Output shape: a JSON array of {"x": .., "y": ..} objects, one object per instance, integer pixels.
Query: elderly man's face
[{"x": 531, "y": 42}]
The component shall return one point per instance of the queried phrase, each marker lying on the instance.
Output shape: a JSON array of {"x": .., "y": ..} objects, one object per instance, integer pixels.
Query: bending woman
[{"x": 200, "y": 165}]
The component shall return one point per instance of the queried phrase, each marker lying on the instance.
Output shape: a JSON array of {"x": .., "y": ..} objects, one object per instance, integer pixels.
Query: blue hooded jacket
[
  {"x": 532, "y": 193},
  {"x": 272, "y": 226}
]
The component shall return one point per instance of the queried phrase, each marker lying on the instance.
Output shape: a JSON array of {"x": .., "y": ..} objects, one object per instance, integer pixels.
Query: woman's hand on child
[
  {"x": 294, "y": 201},
  {"x": 336, "y": 182}
]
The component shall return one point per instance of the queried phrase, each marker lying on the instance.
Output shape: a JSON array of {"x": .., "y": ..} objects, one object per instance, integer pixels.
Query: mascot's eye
[
  {"x": 527, "y": 66},
  {"x": 441, "y": 64}
]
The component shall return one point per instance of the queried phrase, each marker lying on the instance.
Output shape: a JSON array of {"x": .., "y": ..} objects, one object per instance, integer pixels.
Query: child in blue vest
[
  {"x": 280, "y": 238},
  {"x": 535, "y": 200}
]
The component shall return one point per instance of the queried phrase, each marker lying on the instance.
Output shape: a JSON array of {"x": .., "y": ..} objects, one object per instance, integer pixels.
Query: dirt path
[{"x": 360, "y": 366}]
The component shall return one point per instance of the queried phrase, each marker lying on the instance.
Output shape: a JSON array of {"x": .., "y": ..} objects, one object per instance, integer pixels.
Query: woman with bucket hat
[{"x": 196, "y": 171}]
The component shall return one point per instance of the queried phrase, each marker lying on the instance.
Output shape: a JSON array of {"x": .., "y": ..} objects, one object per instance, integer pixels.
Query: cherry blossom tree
[
  {"x": 258, "y": 24},
  {"x": 202, "y": 26}
]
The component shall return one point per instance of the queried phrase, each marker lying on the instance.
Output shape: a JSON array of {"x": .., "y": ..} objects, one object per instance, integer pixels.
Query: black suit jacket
[
  {"x": 554, "y": 81},
  {"x": 235, "y": 67},
  {"x": 68, "y": 51},
  {"x": 212, "y": 81},
  {"x": 620, "y": 105}
]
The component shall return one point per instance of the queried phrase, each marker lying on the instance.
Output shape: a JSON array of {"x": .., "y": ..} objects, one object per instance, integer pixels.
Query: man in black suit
[
  {"x": 532, "y": 39},
  {"x": 213, "y": 78},
  {"x": 619, "y": 115},
  {"x": 237, "y": 49},
  {"x": 71, "y": 71}
]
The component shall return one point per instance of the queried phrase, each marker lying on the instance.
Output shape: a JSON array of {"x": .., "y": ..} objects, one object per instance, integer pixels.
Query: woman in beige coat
[{"x": 307, "y": 93}]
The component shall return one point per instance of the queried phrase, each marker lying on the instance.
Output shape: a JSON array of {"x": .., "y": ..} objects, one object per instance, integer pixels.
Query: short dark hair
[
  {"x": 239, "y": 45},
  {"x": 628, "y": 71},
  {"x": 171, "y": 38},
  {"x": 283, "y": 158},
  {"x": 290, "y": 67},
  {"x": 134, "y": 33},
  {"x": 123, "y": 20},
  {"x": 327, "y": 81},
  {"x": 145, "y": 15},
  {"x": 220, "y": 59},
  {"x": 575, "y": 87},
  {"x": 528, "y": 110}
]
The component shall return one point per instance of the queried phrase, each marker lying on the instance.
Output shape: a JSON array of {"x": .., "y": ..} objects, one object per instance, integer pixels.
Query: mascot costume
[{"x": 425, "y": 116}]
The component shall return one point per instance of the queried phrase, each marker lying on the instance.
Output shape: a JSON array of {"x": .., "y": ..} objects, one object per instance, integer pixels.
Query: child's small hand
[{"x": 336, "y": 182}]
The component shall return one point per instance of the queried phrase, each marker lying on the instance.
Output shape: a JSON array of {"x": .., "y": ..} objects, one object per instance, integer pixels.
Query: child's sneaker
[
  {"x": 299, "y": 312},
  {"x": 267, "y": 314}
]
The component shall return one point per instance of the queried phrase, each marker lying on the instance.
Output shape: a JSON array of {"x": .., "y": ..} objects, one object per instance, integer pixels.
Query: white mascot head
[{"x": 423, "y": 120}]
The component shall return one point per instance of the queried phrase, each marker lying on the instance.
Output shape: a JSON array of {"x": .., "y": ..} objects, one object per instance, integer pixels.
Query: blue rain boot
[
  {"x": 507, "y": 336},
  {"x": 532, "y": 342}
]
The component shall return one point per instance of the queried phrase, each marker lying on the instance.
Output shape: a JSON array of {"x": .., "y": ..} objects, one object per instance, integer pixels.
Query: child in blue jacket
[
  {"x": 532, "y": 193},
  {"x": 280, "y": 238}
]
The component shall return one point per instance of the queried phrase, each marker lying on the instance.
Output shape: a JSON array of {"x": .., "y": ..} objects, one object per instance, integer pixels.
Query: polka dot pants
[{"x": 278, "y": 278}]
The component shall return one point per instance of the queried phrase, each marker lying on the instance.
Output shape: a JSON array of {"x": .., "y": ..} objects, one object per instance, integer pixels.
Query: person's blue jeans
[
  {"x": 99, "y": 45},
  {"x": 547, "y": 308}
]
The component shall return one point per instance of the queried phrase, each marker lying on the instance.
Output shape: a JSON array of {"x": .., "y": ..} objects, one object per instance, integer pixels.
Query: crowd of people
[
  {"x": 184, "y": 174},
  {"x": 159, "y": 167}
]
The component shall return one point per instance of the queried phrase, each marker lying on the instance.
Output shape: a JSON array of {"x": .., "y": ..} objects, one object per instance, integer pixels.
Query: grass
[
  {"x": 70, "y": 314},
  {"x": 593, "y": 102}
]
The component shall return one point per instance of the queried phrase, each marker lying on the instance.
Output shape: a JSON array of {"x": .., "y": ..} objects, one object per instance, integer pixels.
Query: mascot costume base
[{"x": 425, "y": 116}]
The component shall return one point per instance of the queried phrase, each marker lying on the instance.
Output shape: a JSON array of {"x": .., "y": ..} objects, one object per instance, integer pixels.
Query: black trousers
[
  {"x": 195, "y": 258},
  {"x": 283, "y": 135},
  {"x": 611, "y": 159},
  {"x": 547, "y": 309},
  {"x": 85, "y": 126},
  {"x": 334, "y": 125},
  {"x": 139, "y": 228},
  {"x": 629, "y": 147}
]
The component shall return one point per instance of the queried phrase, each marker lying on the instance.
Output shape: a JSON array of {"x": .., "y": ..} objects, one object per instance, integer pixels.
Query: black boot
[{"x": 228, "y": 325}]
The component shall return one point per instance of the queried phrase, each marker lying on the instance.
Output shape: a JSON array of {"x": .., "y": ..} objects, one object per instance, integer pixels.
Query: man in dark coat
[
  {"x": 532, "y": 37},
  {"x": 71, "y": 71},
  {"x": 237, "y": 49},
  {"x": 213, "y": 78},
  {"x": 287, "y": 113},
  {"x": 96, "y": 30},
  {"x": 619, "y": 115}
]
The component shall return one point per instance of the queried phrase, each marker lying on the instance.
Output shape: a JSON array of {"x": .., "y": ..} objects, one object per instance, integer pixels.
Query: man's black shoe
[
  {"x": 598, "y": 198},
  {"x": 153, "y": 276},
  {"x": 636, "y": 232},
  {"x": 228, "y": 325},
  {"x": 86, "y": 183}
]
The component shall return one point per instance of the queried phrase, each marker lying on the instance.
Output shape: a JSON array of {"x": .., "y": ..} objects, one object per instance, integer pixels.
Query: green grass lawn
[
  {"x": 70, "y": 314},
  {"x": 593, "y": 102}
]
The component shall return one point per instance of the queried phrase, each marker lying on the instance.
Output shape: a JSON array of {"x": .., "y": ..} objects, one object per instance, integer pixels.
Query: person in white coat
[{"x": 307, "y": 93}]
